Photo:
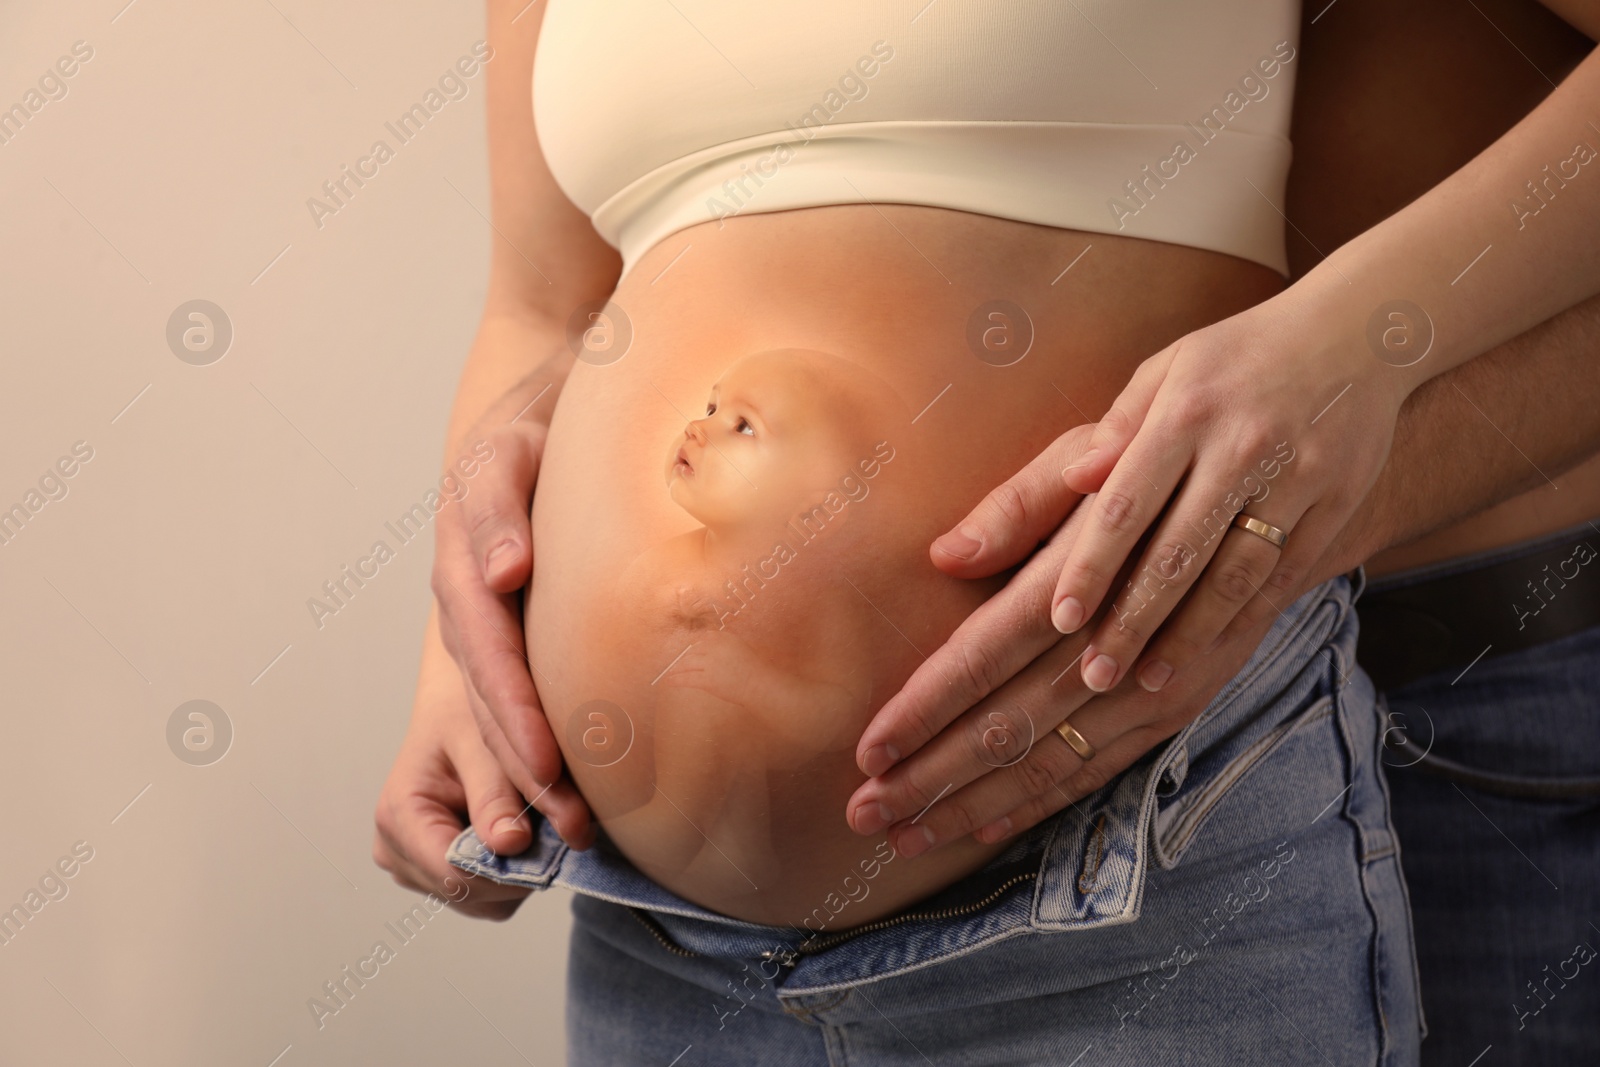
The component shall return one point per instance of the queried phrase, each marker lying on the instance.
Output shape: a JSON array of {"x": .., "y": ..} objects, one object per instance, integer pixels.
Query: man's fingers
[
  {"x": 1087, "y": 778},
  {"x": 488, "y": 646},
  {"x": 495, "y": 511},
  {"x": 994, "y": 643},
  {"x": 1002, "y": 730},
  {"x": 1010, "y": 522},
  {"x": 990, "y": 798},
  {"x": 482, "y": 629},
  {"x": 564, "y": 808}
]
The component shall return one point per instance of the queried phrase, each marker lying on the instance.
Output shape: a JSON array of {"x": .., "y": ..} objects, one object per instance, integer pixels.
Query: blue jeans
[
  {"x": 1235, "y": 897},
  {"x": 1506, "y": 887}
]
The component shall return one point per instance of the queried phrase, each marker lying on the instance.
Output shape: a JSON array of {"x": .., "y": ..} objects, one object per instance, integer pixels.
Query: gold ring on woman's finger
[
  {"x": 1077, "y": 741},
  {"x": 1264, "y": 530}
]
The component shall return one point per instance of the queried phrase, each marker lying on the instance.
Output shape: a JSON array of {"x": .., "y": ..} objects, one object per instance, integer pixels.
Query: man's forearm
[
  {"x": 1483, "y": 433},
  {"x": 515, "y": 370}
]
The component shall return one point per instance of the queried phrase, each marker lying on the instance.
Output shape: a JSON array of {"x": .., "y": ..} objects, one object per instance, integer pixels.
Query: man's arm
[{"x": 1483, "y": 433}]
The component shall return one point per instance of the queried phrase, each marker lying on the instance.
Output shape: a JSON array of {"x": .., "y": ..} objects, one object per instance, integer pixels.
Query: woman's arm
[
  {"x": 546, "y": 261},
  {"x": 1320, "y": 371}
]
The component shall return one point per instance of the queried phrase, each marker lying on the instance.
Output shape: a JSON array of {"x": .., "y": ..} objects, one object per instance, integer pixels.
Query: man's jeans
[
  {"x": 1506, "y": 887},
  {"x": 1236, "y": 897}
]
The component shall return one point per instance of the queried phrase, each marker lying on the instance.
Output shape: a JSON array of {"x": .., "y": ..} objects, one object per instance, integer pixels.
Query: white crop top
[{"x": 1159, "y": 119}]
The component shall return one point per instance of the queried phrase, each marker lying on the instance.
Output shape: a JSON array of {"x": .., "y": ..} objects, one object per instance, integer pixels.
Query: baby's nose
[{"x": 696, "y": 431}]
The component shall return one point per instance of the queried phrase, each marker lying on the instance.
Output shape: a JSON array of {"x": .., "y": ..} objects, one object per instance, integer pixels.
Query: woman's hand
[
  {"x": 1262, "y": 415},
  {"x": 1233, "y": 416},
  {"x": 443, "y": 769},
  {"x": 483, "y": 548},
  {"x": 483, "y": 556}
]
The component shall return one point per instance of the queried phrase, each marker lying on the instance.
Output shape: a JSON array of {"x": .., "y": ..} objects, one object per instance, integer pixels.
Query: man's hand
[
  {"x": 1145, "y": 720},
  {"x": 974, "y": 723},
  {"x": 978, "y": 713}
]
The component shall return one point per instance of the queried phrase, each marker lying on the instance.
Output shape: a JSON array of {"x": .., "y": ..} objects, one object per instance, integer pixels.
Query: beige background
[{"x": 179, "y": 564}]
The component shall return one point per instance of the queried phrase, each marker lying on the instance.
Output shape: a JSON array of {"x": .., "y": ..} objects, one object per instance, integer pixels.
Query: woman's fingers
[
  {"x": 1011, "y": 521},
  {"x": 1196, "y": 536},
  {"x": 1120, "y": 425},
  {"x": 1248, "y": 581},
  {"x": 498, "y": 811},
  {"x": 1117, "y": 518},
  {"x": 1220, "y": 605},
  {"x": 417, "y": 819},
  {"x": 554, "y": 796}
]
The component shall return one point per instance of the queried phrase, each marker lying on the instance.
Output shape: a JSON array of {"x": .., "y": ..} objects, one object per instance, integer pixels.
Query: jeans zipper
[{"x": 790, "y": 957}]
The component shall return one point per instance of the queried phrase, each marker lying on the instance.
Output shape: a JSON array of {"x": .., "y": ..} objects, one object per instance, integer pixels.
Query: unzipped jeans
[{"x": 1235, "y": 897}]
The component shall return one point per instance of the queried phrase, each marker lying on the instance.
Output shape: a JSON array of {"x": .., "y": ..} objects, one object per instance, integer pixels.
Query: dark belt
[
  {"x": 1417, "y": 628},
  {"x": 1421, "y": 626}
]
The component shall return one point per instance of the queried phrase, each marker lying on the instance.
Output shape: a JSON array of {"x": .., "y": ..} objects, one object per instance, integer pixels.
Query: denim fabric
[
  {"x": 1234, "y": 897},
  {"x": 1506, "y": 890}
]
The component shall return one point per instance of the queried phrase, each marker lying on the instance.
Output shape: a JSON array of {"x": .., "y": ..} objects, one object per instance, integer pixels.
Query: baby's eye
[{"x": 745, "y": 427}]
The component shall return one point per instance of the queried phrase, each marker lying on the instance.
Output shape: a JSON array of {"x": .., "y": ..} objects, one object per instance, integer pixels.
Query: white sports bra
[{"x": 1159, "y": 119}]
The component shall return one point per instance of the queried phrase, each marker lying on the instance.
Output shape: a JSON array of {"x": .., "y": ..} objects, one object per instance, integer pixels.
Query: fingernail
[
  {"x": 879, "y": 758},
  {"x": 961, "y": 543},
  {"x": 1155, "y": 675},
  {"x": 1083, "y": 461},
  {"x": 1068, "y": 615},
  {"x": 994, "y": 831},
  {"x": 870, "y": 818},
  {"x": 1098, "y": 673},
  {"x": 498, "y": 552},
  {"x": 915, "y": 842},
  {"x": 509, "y": 824}
]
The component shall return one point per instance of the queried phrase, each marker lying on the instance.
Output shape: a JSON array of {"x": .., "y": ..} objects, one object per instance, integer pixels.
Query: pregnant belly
[{"x": 733, "y": 516}]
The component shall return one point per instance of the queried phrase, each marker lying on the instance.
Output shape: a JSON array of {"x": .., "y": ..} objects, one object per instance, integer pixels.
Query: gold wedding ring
[
  {"x": 1079, "y": 743},
  {"x": 1264, "y": 530}
]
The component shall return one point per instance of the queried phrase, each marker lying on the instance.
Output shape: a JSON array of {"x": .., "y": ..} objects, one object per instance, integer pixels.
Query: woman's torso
[
  {"x": 893, "y": 290},
  {"x": 946, "y": 222}
]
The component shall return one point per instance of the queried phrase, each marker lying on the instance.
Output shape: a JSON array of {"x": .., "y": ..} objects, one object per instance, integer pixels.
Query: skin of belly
[{"x": 707, "y": 687}]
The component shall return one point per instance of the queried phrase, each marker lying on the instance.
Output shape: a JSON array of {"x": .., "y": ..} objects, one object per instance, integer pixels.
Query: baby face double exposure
[{"x": 776, "y": 428}]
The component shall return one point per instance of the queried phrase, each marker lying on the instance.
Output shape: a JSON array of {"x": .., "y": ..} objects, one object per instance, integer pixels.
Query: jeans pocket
[{"x": 1186, "y": 803}]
